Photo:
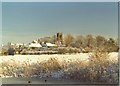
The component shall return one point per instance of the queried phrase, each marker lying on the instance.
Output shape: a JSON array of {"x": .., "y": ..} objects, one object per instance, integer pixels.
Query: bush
[
  {"x": 98, "y": 69},
  {"x": 62, "y": 50},
  {"x": 51, "y": 65},
  {"x": 69, "y": 50}
]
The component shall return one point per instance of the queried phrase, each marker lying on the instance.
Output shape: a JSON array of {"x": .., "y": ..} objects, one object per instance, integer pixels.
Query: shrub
[
  {"x": 51, "y": 65},
  {"x": 97, "y": 69},
  {"x": 99, "y": 65}
]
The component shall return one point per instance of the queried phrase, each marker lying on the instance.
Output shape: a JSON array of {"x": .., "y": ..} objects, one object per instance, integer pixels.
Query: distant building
[
  {"x": 59, "y": 39},
  {"x": 35, "y": 45},
  {"x": 51, "y": 45},
  {"x": 53, "y": 41}
]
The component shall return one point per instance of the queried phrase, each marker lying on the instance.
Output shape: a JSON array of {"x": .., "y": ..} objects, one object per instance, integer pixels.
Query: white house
[
  {"x": 35, "y": 45},
  {"x": 50, "y": 45}
]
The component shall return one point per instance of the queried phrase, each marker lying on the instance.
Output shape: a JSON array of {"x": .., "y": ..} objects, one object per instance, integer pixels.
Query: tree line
[{"x": 91, "y": 43}]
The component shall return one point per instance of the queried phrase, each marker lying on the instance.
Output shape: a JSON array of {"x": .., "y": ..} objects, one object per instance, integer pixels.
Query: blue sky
[
  {"x": 25, "y": 21},
  {"x": 60, "y": 0}
]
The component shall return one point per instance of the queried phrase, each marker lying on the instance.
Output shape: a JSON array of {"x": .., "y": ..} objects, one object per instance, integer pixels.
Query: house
[
  {"x": 50, "y": 45},
  {"x": 35, "y": 45}
]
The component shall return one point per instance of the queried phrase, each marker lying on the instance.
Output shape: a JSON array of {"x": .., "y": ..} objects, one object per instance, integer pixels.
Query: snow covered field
[
  {"x": 73, "y": 57},
  {"x": 59, "y": 66},
  {"x": 35, "y": 58}
]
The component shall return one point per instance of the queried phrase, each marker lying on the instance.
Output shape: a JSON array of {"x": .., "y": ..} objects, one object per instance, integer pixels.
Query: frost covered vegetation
[
  {"x": 98, "y": 67},
  {"x": 88, "y": 59},
  {"x": 72, "y": 44}
]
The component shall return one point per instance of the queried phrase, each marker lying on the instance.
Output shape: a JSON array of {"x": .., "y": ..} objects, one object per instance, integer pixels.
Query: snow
[
  {"x": 50, "y": 45},
  {"x": 35, "y": 45},
  {"x": 113, "y": 56},
  {"x": 67, "y": 57},
  {"x": 61, "y": 58},
  {"x": 35, "y": 58}
]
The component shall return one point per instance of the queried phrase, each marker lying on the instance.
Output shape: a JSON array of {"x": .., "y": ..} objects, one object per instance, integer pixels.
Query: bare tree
[
  {"x": 68, "y": 39},
  {"x": 111, "y": 45},
  {"x": 53, "y": 39},
  {"x": 100, "y": 41},
  {"x": 79, "y": 41},
  {"x": 90, "y": 41}
]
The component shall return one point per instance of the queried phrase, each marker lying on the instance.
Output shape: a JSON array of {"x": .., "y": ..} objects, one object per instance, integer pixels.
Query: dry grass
[
  {"x": 51, "y": 65},
  {"x": 97, "y": 69}
]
